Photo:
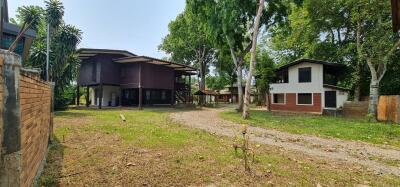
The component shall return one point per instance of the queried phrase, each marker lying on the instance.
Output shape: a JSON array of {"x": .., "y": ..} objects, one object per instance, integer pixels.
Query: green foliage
[
  {"x": 64, "y": 62},
  {"x": 29, "y": 16},
  {"x": 390, "y": 84},
  {"x": 264, "y": 74},
  {"x": 187, "y": 40},
  {"x": 217, "y": 82},
  {"x": 54, "y": 13}
]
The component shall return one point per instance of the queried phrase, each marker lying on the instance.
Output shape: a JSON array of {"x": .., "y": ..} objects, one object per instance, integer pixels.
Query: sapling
[{"x": 243, "y": 145}]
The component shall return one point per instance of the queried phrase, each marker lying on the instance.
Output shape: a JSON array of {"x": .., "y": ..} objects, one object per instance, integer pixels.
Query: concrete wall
[
  {"x": 26, "y": 120},
  {"x": 315, "y": 86},
  {"x": 108, "y": 92},
  {"x": 1, "y": 110},
  {"x": 341, "y": 97}
]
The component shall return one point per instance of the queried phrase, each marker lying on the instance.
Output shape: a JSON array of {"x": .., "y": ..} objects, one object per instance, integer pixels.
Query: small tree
[{"x": 31, "y": 17}]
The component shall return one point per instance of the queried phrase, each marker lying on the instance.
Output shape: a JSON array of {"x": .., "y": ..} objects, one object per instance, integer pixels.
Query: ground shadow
[{"x": 53, "y": 167}]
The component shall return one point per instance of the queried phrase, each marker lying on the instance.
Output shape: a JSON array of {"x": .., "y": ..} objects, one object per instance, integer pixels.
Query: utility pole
[{"x": 48, "y": 52}]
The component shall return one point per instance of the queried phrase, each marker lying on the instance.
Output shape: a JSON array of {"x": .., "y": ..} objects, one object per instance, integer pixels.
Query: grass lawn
[
  {"x": 95, "y": 148},
  {"x": 342, "y": 128}
]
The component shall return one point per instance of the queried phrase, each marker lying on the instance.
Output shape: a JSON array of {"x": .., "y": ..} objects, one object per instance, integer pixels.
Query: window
[
  {"x": 148, "y": 95},
  {"x": 278, "y": 99},
  {"x": 305, "y": 74},
  {"x": 8, "y": 39},
  {"x": 304, "y": 99},
  {"x": 163, "y": 95},
  {"x": 282, "y": 76}
]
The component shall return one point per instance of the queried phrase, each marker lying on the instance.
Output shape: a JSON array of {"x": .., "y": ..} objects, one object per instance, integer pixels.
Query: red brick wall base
[{"x": 291, "y": 104}]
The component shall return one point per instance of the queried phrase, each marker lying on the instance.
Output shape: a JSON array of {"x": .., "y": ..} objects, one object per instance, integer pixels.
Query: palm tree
[
  {"x": 31, "y": 17},
  {"x": 54, "y": 16}
]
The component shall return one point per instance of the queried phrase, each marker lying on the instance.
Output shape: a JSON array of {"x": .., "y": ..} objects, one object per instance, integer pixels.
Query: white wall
[
  {"x": 315, "y": 86},
  {"x": 341, "y": 97},
  {"x": 108, "y": 91}
]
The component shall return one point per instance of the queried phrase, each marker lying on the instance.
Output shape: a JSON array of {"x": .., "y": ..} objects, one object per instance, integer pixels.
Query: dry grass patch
[{"x": 97, "y": 149}]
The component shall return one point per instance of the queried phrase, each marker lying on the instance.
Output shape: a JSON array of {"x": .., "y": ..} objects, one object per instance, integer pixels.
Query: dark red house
[{"x": 121, "y": 78}]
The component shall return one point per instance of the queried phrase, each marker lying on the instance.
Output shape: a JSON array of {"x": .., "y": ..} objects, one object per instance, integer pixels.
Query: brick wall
[
  {"x": 35, "y": 102},
  {"x": 291, "y": 104}
]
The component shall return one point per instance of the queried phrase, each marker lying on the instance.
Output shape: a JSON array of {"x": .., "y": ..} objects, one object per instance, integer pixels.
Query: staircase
[{"x": 183, "y": 93}]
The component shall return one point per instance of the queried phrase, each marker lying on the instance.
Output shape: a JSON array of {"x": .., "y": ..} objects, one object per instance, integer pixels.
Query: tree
[
  {"x": 64, "y": 60},
  {"x": 378, "y": 44},
  {"x": 230, "y": 23},
  {"x": 253, "y": 62},
  {"x": 54, "y": 16},
  {"x": 264, "y": 75},
  {"x": 30, "y": 16},
  {"x": 189, "y": 43}
]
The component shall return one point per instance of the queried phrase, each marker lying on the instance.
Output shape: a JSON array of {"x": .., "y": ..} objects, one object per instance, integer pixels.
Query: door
[{"x": 330, "y": 99}]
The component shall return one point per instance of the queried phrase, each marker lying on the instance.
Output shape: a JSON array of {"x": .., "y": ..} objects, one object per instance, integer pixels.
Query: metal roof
[
  {"x": 14, "y": 29},
  {"x": 85, "y": 53},
  {"x": 311, "y": 61},
  {"x": 151, "y": 60}
]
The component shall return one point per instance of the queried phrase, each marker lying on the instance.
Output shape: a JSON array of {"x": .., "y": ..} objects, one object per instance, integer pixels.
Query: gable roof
[
  {"x": 85, "y": 53},
  {"x": 304, "y": 60},
  {"x": 151, "y": 60}
]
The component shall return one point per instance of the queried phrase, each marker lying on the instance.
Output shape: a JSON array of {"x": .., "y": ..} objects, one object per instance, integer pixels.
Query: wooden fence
[{"x": 389, "y": 108}]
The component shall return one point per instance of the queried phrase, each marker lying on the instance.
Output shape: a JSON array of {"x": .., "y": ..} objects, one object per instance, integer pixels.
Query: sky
[{"x": 134, "y": 25}]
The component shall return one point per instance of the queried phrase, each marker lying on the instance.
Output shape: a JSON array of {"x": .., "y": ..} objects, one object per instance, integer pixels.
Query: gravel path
[{"x": 350, "y": 151}]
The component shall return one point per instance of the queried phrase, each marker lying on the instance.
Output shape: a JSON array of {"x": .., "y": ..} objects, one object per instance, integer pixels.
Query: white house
[{"x": 308, "y": 86}]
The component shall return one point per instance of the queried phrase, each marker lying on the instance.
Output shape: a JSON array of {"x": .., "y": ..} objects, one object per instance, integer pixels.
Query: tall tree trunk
[
  {"x": 19, "y": 37},
  {"x": 268, "y": 100},
  {"x": 240, "y": 88},
  {"x": 253, "y": 61},
  {"x": 357, "y": 88},
  {"x": 373, "y": 90},
  {"x": 202, "y": 81}
]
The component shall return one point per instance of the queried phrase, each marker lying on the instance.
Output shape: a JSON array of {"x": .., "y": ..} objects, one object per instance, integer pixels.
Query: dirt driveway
[{"x": 375, "y": 158}]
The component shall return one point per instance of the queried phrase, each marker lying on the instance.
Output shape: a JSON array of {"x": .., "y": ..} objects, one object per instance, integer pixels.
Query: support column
[
  {"x": 87, "y": 97},
  {"x": 120, "y": 97},
  {"x": 140, "y": 98},
  {"x": 190, "y": 89},
  {"x": 140, "y": 88},
  {"x": 172, "y": 96},
  {"x": 77, "y": 95},
  {"x": 10, "y": 164},
  {"x": 101, "y": 96}
]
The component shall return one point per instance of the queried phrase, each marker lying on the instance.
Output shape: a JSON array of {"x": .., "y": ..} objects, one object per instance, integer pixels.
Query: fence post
[{"x": 10, "y": 164}]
